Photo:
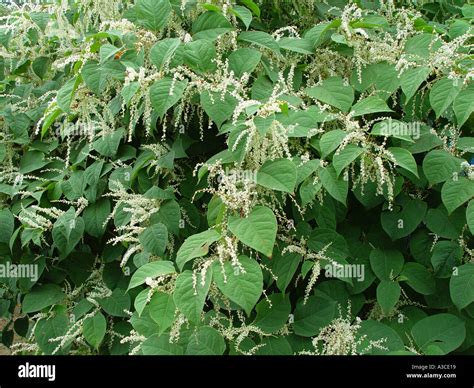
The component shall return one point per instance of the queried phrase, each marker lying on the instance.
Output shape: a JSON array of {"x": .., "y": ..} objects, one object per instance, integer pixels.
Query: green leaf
[
  {"x": 207, "y": 341},
  {"x": 404, "y": 159},
  {"x": 160, "y": 345},
  {"x": 65, "y": 94},
  {"x": 210, "y": 25},
  {"x": 275, "y": 346},
  {"x": 334, "y": 92},
  {"x": 336, "y": 186},
  {"x": 162, "y": 309},
  {"x": 95, "y": 216},
  {"x": 465, "y": 144},
  {"x": 116, "y": 303},
  {"x": 470, "y": 215},
  {"x": 7, "y": 225},
  {"x": 52, "y": 327},
  {"x": 443, "y": 330},
  {"x": 143, "y": 324},
  {"x": 243, "y": 14},
  {"x": 284, "y": 268},
  {"x": 461, "y": 286},
  {"x": 170, "y": 215},
  {"x": 463, "y": 105},
  {"x": 40, "y": 66},
  {"x": 278, "y": 174},
  {"x": 151, "y": 270},
  {"x": 216, "y": 211},
  {"x": 40, "y": 18},
  {"x": 386, "y": 264},
  {"x": 3, "y": 152},
  {"x": 468, "y": 11},
  {"x": 128, "y": 91},
  {"x": 297, "y": 45},
  {"x": 345, "y": 157},
  {"x": 107, "y": 51},
  {"x": 308, "y": 191},
  {"x": 445, "y": 256},
  {"x": 162, "y": 52},
  {"x": 380, "y": 77},
  {"x": 218, "y": 110},
  {"x": 369, "y": 197},
  {"x": 67, "y": 231},
  {"x": 330, "y": 141},
  {"x": 199, "y": 56},
  {"x": 258, "y": 230},
  {"x": 404, "y": 218},
  {"x": 82, "y": 308},
  {"x": 371, "y": 21},
  {"x": 388, "y": 294},
  {"x": 154, "y": 239},
  {"x": 305, "y": 170},
  {"x": 160, "y": 97},
  {"x": 108, "y": 144},
  {"x": 272, "y": 317},
  {"x": 422, "y": 46},
  {"x": 319, "y": 32},
  {"x": 322, "y": 237},
  {"x": 439, "y": 166},
  {"x": 411, "y": 80},
  {"x": 42, "y": 296},
  {"x": 196, "y": 245},
  {"x": 425, "y": 142},
  {"x": 74, "y": 187},
  {"x": 31, "y": 161},
  {"x": 442, "y": 94},
  {"x": 311, "y": 317},
  {"x": 261, "y": 39},
  {"x": 244, "y": 285},
  {"x": 368, "y": 105},
  {"x": 153, "y": 14},
  {"x": 244, "y": 60},
  {"x": 189, "y": 298},
  {"x": 250, "y": 4},
  {"x": 419, "y": 278},
  {"x": 141, "y": 301},
  {"x": 456, "y": 192},
  {"x": 94, "y": 329},
  {"x": 94, "y": 77},
  {"x": 438, "y": 221}
]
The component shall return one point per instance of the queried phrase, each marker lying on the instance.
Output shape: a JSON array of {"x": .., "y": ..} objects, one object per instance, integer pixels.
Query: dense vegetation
[{"x": 237, "y": 177}]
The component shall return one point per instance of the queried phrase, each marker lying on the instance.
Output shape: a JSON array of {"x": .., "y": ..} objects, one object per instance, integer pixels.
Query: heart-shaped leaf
[
  {"x": 258, "y": 230},
  {"x": 242, "y": 285}
]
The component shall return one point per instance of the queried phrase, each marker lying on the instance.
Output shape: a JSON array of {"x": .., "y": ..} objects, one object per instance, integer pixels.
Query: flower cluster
[{"x": 341, "y": 338}]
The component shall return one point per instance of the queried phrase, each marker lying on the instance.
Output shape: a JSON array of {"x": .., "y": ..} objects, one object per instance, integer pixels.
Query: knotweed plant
[{"x": 183, "y": 174}]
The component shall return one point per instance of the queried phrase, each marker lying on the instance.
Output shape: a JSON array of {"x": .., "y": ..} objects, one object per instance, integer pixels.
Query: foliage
[{"x": 237, "y": 177}]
